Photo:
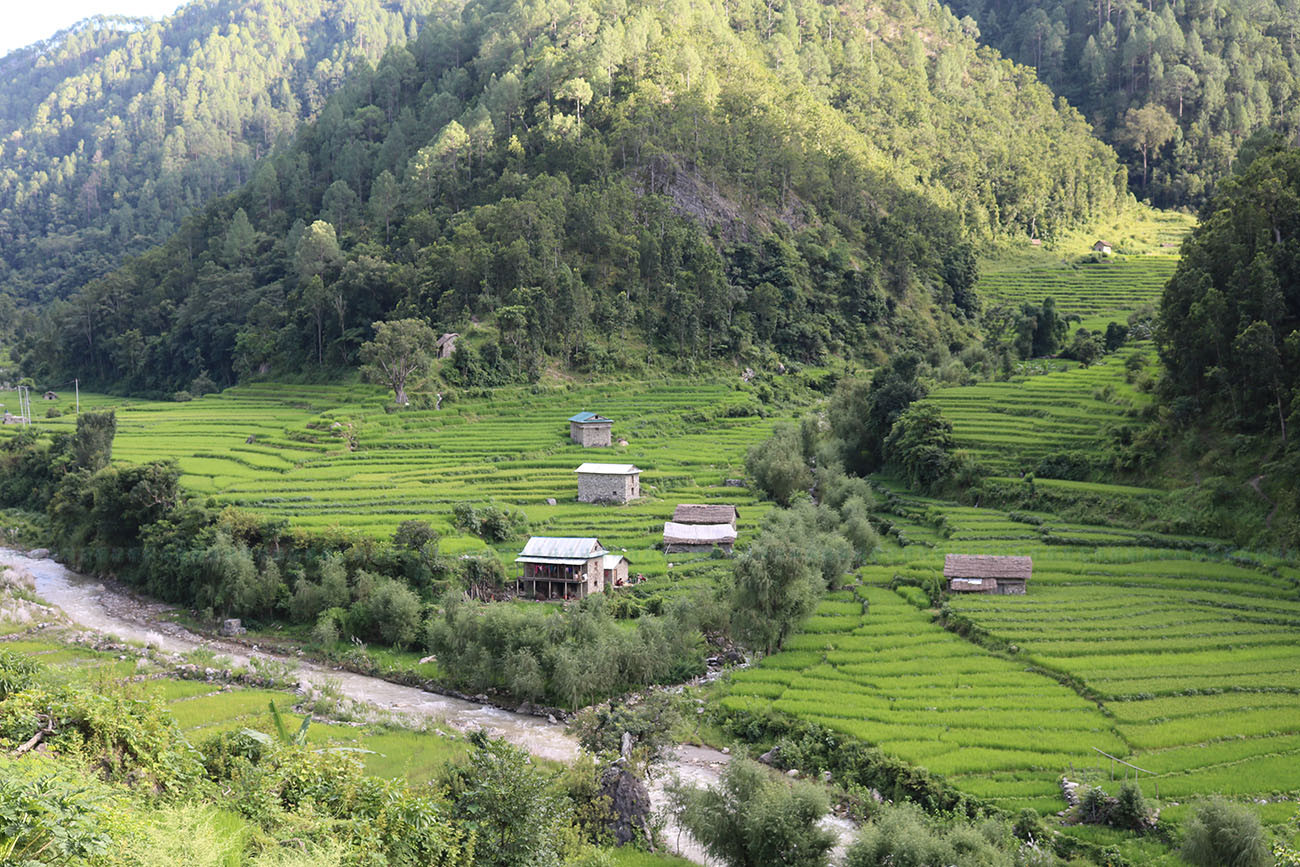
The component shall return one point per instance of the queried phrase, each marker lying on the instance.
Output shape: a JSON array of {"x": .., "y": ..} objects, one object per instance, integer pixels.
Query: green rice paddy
[
  {"x": 331, "y": 458},
  {"x": 1183, "y": 664}
]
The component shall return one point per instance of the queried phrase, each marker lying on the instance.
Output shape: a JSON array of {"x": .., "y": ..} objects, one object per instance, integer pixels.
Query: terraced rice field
[
  {"x": 1183, "y": 663},
  {"x": 514, "y": 448},
  {"x": 1008, "y": 427},
  {"x": 1097, "y": 292}
]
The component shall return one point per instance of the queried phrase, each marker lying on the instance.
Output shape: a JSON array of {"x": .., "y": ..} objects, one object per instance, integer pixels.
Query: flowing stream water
[{"x": 112, "y": 611}]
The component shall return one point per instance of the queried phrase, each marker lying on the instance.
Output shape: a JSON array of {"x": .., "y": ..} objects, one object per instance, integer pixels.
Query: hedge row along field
[
  {"x": 1183, "y": 662},
  {"x": 331, "y": 457}
]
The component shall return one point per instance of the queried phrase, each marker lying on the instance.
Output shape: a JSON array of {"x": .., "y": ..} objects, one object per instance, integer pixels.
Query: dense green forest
[
  {"x": 113, "y": 131},
  {"x": 608, "y": 179},
  {"x": 1177, "y": 87},
  {"x": 1230, "y": 332}
]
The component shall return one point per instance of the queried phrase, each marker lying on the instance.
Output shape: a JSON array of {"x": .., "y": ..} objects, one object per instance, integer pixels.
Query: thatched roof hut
[
  {"x": 680, "y": 538},
  {"x": 987, "y": 573},
  {"x": 696, "y": 513}
]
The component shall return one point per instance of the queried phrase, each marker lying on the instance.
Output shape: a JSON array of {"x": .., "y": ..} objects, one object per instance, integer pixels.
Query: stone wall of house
[
  {"x": 591, "y": 435},
  {"x": 599, "y": 488},
  {"x": 1010, "y": 588}
]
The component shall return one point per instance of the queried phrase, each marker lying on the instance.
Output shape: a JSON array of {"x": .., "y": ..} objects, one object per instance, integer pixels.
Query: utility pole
[{"x": 77, "y": 383}]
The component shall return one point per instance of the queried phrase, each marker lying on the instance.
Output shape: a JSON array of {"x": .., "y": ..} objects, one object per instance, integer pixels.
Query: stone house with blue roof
[{"x": 590, "y": 430}]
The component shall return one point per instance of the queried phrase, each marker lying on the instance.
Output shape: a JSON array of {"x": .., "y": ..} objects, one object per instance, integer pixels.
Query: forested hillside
[
  {"x": 600, "y": 179},
  {"x": 1176, "y": 87},
  {"x": 1230, "y": 339},
  {"x": 113, "y": 131}
]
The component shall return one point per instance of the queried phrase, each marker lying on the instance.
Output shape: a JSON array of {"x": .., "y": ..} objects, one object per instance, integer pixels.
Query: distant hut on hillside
[
  {"x": 688, "y": 538},
  {"x": 696, "y": 513},
  {"x": 49, "y": 395},
  {"x": 447, "y": 344},
  {"x": 608, "y": 483},
  {"x": 986, "y": 573},
  {"x": 590, "y": 430},
  {"x": 1102, "y": 247},
  {"x": 560, "y": 567}
]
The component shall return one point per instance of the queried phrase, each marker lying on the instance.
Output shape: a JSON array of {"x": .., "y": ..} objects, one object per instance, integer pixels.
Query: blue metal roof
[{"x": 588, "y": 417}]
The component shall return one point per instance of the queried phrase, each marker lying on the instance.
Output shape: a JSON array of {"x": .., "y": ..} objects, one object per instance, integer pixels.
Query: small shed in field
[
  {"x": 696, "y": 513},
  {"x": 49, "y": 395},
  {"x": 1102, "y": 247},
  {"x": 615, "y": 570},
  {"x": 608, "y": 483},
  {"x": 590, "y": 430},
  {"x": 685, "y": 538},
  {"x": 447, "y": 344},
  {"x": 561, "y": 567},
  {"x": 987, "y": 573}
]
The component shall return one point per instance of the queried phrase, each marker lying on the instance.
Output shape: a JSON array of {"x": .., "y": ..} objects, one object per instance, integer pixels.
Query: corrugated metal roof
[
  {"x": 565, "y": 550},
  {"x": 612, "y": 560},
  {"x": 590, "y": 418},
  {"x": 698, "y": 534},
  {"x": 608, "y": 469},
  {"x": 987, "y": 566},
  {"x": 694, "y": 513}
]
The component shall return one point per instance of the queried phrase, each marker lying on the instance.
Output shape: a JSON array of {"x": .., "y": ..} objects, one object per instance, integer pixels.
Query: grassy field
[
  {"x": 1008, "y": 427},
  {"x": 1184, "y": 664},
  {"x": 332, "y": 457}
]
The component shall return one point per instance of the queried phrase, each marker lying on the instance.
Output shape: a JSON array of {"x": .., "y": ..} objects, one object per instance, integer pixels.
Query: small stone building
[
  {"x": 590, "y": 430},
  {"x": 986, "y": 573},
  {"x": 447, "y": 344},
  {"x": 608, "y": 483},
  {"x": 688, "y": 538},
  {"x": 695, "y": 513},
  {"x": 559, "y": 567},
  {"x": 49, "y": 395},
  {"x": 1102, "y": 247},
  {"x": 615, "y": 570}
]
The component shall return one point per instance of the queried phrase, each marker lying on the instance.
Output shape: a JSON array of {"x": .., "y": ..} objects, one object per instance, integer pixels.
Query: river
[{"x": 113, "y": 611}]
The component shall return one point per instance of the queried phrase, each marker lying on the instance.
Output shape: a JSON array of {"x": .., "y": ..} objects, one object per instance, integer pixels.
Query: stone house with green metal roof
[{"x": 590, "y": 430}]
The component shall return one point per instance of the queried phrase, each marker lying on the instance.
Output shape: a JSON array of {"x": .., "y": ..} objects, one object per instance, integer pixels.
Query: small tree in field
[
  {"x": 1223, "y": 834},
  {"x": 398, "y": 352},
  {"x": 754, "y": 819}
]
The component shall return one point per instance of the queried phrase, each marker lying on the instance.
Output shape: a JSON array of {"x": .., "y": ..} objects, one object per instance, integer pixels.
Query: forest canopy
[{"x": 693, "y": 178}]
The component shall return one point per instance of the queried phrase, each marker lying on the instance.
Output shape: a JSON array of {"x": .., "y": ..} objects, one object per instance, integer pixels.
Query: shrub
[
  {"x": 1130, "y": 811},
  {"x": 777, "y": 465},
  {"x": 53, "y": 412},
  {"x": 389, "y": 613},
  {"x": 1222, "y": 834},
  {"x": 753, "y": 818}
]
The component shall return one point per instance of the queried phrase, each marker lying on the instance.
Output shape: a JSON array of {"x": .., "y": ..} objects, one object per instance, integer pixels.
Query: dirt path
[{"x": 117, "y": 612}]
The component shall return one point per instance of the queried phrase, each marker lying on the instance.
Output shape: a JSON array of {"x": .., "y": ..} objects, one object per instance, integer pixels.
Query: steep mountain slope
[
  {"x": 699, "y": 177},
  {"x": 1177, "y": 87},
  {"x": 114, "y": 130}
]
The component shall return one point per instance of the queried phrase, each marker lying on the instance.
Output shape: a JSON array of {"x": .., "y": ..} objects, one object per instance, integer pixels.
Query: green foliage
[
  {"x": 1220, "y": 833},
  {"x": 1230, "y": 317},
  {"x": 16, "y": 672},
  {"x": 775, "y": 588},
  {"x": 778, "y": 465},
  {"x": 649, "y": 721},
  {"x": 50, "y": 816},
  {"x": 92, "y": 444},
  {"x": 128, "y": 125},
  {"x": 920, "y": 448},
  {"x": 552, "y": 207},
  {"x": 570, "y": 657},
  {"x": 490, "y": 521},
  {"x": 517, "y": 815},
  {"x": 903, "y": 836},
  {"x": 862, "y": 415},
  {"x": 1170, "y": 86},
  {"x": 752, "y": 818},
  {"x": 399, "y": 351}
]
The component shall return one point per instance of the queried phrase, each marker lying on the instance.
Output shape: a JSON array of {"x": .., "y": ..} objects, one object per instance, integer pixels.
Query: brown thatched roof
[
  {"x": 987, "y": 566},
  {"x": 695, "y": 513}
]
